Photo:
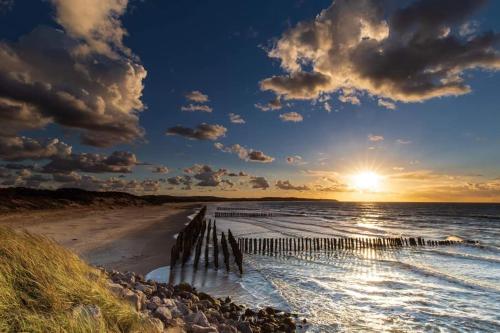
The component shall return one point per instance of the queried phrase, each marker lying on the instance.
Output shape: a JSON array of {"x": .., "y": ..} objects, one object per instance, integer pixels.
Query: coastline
[{"x": 134, "y": 239}]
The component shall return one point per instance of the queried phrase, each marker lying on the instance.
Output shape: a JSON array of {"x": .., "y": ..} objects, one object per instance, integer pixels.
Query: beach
[{"x": 134, "y": 239}]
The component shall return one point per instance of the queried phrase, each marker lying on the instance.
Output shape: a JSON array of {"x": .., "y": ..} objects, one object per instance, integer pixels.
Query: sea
[{"x": 410, "y": 289}]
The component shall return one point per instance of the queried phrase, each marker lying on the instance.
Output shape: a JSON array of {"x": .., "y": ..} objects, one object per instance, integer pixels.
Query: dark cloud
[
  {"x": 45, "y": 80},
  {"x": 201, "y": 132},
  {"x": 286, "y": 185},
  {"x": 410, "y": 54},
  {"x": 118, "y": 161},
  {"x": 259, "y": 183}
]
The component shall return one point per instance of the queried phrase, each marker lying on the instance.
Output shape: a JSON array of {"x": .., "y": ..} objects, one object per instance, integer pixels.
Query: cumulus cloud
[
  {"x": 272, "y": 105},
  {"x": 259, "y": 183},
  {"x": 184, "y": 180},
  {"x": 196, "y": 107},
  {"x": 375, "y": 138},
  {"x": 82, "y": 78},
  {"x": 291, "y": 117},
  {"x": 201, "y": 132},
  {"x": 22, "y": 148},
  {"x": 96, "y": 22},
  {"x": 117, "y": 162},
  {"x": 197, "y": 96},
  {"x": 236, "y": 118},
  {"x": 408, "y": 54},
  {"x": 286, "y": 185},
  {"x": 160, "y": 169},
  {"x": 207, "y": 176},
  {"x": 244, "y": 153}
]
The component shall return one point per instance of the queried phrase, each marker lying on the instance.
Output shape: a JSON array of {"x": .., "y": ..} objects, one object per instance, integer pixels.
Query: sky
[{"x": 352, "y": 100}]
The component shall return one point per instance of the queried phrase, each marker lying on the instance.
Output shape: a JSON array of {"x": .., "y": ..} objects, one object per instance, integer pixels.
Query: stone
[
  {"x": 115, "y": 288},
  {"x": 198, "y": 318},
  {"x": 135, "y": 299},
  {"x": 168, "y": 302},
  {"x": 148, "y": 290},
  {"x": 200, "y": 329},
  {"x": 244, "y": 327},
  {"x": 154, "y": 303},
  {"x": 183, "y": 286},
  {"x": 224, "y": 328},
  {"x": 163, "y": 313}
]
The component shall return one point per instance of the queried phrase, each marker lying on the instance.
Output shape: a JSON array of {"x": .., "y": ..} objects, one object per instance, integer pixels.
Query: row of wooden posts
[
  {"x": 279, "y": 245},
  {"x": 242, "y": 214},
  {"x": 192, "y": 237}
]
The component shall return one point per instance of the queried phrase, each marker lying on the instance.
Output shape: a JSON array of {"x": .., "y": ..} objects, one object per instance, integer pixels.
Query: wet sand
[{"x": 128, "y": 239}]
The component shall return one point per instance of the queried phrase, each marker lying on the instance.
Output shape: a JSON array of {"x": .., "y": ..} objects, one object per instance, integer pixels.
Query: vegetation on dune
[{"x": 46, "y": 288}]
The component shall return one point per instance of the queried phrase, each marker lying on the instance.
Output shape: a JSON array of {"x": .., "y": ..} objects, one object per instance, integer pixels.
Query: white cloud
[
  {"x": 291, "y": 117},
  {"x": 197, "y": 96},
  {"x": 236, "y": 119},
  {"x": 196, "y": 107}
]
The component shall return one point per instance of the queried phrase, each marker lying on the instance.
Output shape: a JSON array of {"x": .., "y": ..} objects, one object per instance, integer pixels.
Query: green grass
[{"x": 42, "y": 284}]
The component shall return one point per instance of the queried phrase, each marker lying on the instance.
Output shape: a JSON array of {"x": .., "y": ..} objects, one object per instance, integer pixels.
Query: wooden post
[
  {"x": 225, "y": 250},
  {"x": 216, "y": 247}
]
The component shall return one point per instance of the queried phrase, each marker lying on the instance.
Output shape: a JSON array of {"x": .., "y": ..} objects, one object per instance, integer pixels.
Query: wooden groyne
[
  {"x": 287, "y": 245},
  {"x": 190, "y": 241}
]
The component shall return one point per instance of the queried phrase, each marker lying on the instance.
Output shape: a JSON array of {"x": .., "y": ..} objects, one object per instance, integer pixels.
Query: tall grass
[{"x": 43, "y": 288}]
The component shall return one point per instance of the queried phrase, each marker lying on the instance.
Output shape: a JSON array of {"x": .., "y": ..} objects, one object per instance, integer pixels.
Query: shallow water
[{"x": 439, "y": 289}]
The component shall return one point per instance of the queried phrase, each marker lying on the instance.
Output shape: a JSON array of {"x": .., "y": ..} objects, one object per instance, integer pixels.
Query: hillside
[{"x": 20, "y": 198}]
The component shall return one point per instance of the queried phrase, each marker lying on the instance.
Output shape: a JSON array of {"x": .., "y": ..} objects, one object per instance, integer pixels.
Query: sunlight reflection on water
[{"x": 425, "y": 289}]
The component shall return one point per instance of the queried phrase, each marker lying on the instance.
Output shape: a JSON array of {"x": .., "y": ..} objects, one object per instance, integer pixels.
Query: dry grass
[{"x": 43, "y": 287}]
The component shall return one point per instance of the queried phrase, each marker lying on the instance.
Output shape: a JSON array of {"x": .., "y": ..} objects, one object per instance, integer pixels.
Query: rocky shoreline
[{"x": 182, "y": 308}]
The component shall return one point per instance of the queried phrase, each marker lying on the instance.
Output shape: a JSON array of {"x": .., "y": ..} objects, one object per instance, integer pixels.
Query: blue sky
[{"x": 446, "y": 145}]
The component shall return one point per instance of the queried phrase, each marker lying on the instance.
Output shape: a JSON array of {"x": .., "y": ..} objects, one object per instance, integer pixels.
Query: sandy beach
[{"x": 127, "y": 239}]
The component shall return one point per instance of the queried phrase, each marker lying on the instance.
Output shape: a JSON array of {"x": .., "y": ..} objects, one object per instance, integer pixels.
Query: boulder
[
  {"x": 163, "y": 313},
  {"x": 198, "y": 318},
  {"x": 115, "y": 288},
  {"x": 244, "y": 327},
  {"x": 135, "y": 299},
  {"x": 153, "y": 303}
]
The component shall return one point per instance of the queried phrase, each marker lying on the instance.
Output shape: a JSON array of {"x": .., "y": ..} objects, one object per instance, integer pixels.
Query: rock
[
  {"x": 224, "y": 328},
  {"x": 183, "y": 308},
  {"x": 163, "y": 313},
  {"x": 244, "y": 327},
  {"x": 115, "y": 288},
  {"x": 129, "y": 277},
  {"x": 168, "y": 302},
  {"x": 135, "y": 299},
  {"x": 198, "y": 318},
  {"x": 201, "y": 329},
  {"x": 154, "y": 303},
  {"x": 249, "y": 313},
  {"x": 183, "y": 286},
  {"x": 148, "y": 290}
]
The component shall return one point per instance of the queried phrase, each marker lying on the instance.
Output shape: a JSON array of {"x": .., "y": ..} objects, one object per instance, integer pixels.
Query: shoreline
[{"x": 134, "y": 239}]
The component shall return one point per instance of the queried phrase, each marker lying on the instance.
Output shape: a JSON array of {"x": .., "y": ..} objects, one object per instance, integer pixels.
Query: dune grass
[{"x": 44, "y": 287}]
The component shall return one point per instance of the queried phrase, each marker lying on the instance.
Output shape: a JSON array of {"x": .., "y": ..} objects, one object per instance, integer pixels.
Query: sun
[{"x": 368, "y": 181}]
